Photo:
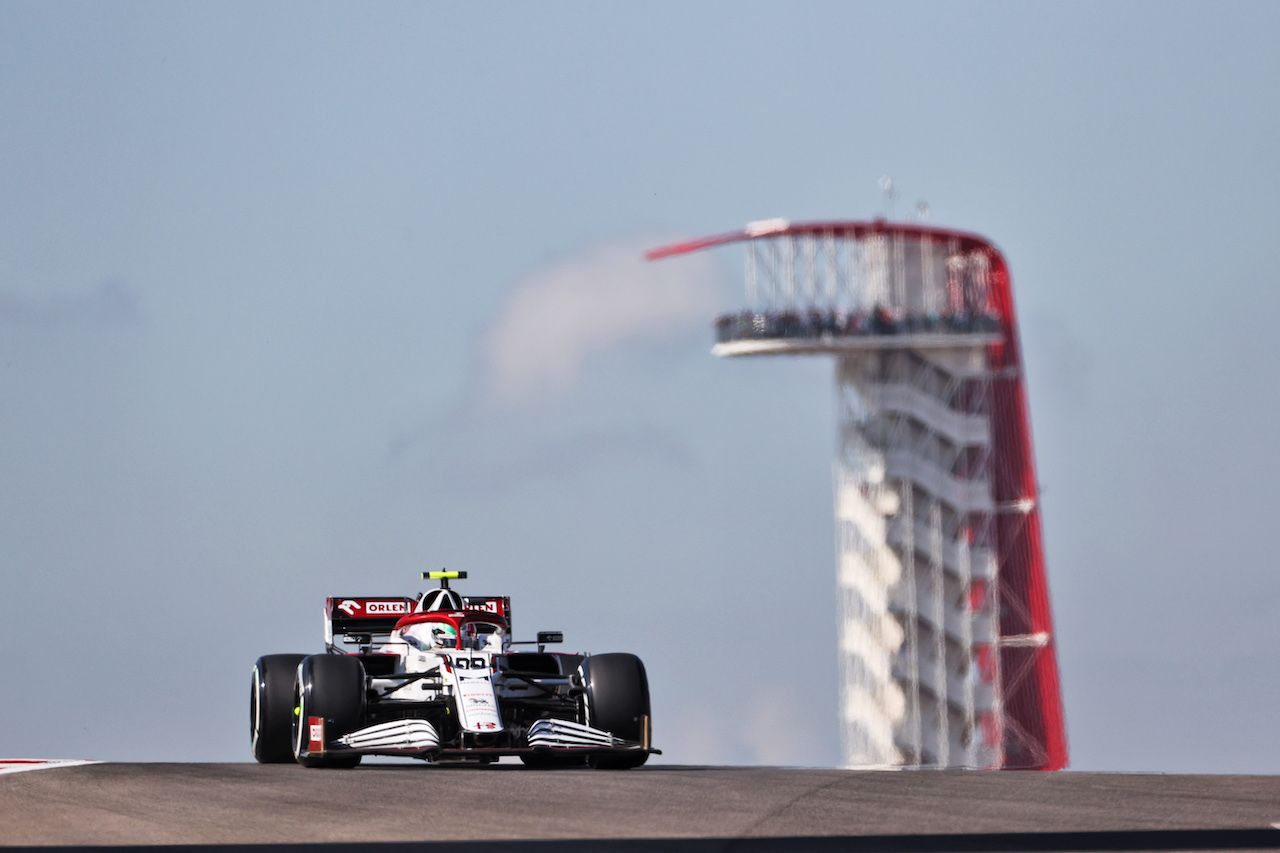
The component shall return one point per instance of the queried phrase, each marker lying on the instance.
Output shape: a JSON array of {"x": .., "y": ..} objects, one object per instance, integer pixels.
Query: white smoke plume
[{"x": 557, "y": 317}]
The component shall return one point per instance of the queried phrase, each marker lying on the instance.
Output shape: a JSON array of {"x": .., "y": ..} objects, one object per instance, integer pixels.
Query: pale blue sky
[{"x": 255, "y": 261}]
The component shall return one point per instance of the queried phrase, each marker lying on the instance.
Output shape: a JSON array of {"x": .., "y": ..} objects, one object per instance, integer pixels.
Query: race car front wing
[
  {"x": 563, "y": 733},
  {"x": 418, "y": 737},
  {"x": 398, "y": 735}
]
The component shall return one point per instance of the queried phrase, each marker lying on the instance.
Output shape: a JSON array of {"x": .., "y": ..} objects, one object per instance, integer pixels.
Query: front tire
[
  {"x": 330, "y": 687},
  {"x": 616, "y": 701},
  {"x": 270, "y": 708},
  {"x": 550, "y": 760}
]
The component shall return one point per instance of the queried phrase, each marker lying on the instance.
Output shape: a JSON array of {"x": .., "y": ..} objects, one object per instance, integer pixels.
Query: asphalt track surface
[{"x": 508, "y": 809}]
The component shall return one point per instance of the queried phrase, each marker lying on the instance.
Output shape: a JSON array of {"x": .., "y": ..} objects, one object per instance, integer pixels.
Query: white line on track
[{"x": 19, "y": 765}]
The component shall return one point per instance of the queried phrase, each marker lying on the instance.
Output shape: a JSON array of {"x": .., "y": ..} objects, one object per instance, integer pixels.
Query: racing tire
[
  {"x": 616, "y": 700},
  {"x": 331, "y": 687},
  {"x": 547, "y": 761},
  {"x": 271, "y": 708}
]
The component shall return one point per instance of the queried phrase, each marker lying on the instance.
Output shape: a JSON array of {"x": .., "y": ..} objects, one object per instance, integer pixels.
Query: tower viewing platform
[{"x": 945, "y": 630}]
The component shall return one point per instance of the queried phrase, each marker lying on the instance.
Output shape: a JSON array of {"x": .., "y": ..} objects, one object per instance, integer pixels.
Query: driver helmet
[{"x": 443, "y": 635}]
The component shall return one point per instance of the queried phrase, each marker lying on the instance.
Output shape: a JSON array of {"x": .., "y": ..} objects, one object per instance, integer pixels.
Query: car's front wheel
[
  {"x": 548, "y": 760},
  {"x": 616, "y": 700},
  {"x": 329, "y": 690},
  {"x": 270, "y": 708}
]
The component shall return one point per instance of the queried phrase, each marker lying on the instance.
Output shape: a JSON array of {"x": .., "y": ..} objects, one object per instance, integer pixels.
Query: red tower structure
[{"x": 946, "y": 631}]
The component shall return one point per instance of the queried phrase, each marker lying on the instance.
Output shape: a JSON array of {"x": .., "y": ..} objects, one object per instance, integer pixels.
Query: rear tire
[
  {"x": 330, "y": 687},
  {"x": 616, "y": 701},
  {"x": 271, "y": 708}
]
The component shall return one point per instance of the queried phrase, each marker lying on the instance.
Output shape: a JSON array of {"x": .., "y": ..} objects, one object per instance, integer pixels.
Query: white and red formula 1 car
[{"x": 438, "y": 678}]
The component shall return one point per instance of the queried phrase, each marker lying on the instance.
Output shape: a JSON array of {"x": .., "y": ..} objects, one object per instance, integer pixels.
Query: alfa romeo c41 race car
[{"x": 438, "y": 677}]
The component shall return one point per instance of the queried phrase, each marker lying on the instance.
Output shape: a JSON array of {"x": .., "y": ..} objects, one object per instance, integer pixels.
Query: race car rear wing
[
  {"x": 374, "y": 616},
  {"x": 377, "y": 617}
]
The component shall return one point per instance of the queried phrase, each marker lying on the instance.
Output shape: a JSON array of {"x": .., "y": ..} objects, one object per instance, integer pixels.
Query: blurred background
[{"x": 300, "y": 300}]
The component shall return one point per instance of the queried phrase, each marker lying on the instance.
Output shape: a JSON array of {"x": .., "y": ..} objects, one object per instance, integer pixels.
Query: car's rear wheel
[
  {"x": 330, "y": 688},
  {"x": 270, "y": 708},
  {"x": 616, "y": 700}
]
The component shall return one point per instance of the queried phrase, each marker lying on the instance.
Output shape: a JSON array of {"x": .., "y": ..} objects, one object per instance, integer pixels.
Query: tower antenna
[{"x": 890, "y": 194}]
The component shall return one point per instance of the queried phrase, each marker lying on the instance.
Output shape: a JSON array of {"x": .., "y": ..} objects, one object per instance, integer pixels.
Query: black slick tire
[
  {"x": 616, "y": 700},
  {"x": 332, "y": 688},
  {"x": 271, "y": 708},
  {"x": 550, "y": 760}
]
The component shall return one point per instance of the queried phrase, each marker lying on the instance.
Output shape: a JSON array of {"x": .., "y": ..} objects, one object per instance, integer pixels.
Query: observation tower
[{"x": 945, "y": 630}]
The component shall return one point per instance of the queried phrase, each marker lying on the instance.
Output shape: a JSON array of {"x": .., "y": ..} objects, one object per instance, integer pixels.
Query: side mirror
[{"x": 545, "y": 637}]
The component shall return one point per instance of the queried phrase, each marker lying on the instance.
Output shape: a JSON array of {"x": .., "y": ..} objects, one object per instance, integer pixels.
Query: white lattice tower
[{"x": 909, "y": 315}]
